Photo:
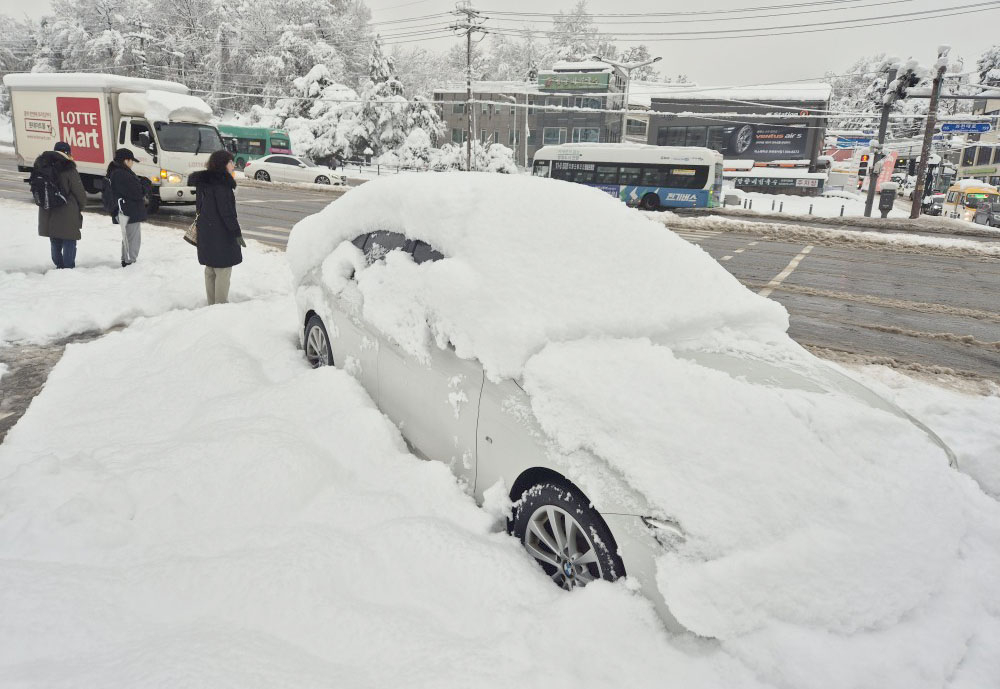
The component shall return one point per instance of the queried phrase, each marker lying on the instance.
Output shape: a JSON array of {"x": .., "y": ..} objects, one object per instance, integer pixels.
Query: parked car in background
[
  {"x": 933, "y": 204},
  {"x": 289, "y": 168},
  {"x": 987, "y": 214}
]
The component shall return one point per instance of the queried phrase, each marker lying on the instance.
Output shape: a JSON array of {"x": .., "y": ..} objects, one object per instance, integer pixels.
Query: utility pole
[
  {"x": 469, "y": 22},
  {"x": 626, "y": 68},
  {"x": 895, "y": 89},
  {"x": 925, "y": 150}
]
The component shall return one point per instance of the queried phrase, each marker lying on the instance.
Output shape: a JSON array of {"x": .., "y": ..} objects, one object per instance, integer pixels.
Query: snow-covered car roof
[{"x": 530, "y": 261}]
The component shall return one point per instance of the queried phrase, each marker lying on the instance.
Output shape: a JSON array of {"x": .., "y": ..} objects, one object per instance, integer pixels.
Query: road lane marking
[
  {"x": 739, "y": 251},
  {"x": 726, "y": 258},
  {"x": 752, "y": 244},
  {"x": 780, "y": 277}
]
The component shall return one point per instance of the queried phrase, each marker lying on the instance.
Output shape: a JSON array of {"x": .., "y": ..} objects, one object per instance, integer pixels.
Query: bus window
[
  {"x": 654, "y": 176},
  {"x": 630, "y": 176},
  {"x": 687, "y": 177},
  {"x": 581, "y": 173},
  {"x": 541, "y": 168},
  {"x": 606, "y": 174}
]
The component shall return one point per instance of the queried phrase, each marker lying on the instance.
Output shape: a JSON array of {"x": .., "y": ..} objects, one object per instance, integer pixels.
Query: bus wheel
[{"x": 650, "y": 202}]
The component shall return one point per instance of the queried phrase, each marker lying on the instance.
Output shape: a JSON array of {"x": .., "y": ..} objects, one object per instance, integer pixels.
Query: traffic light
[{"x": 863, "y": 165}]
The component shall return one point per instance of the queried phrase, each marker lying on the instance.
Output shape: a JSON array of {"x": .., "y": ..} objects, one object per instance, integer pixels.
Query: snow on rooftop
[
  {"x": 481, "y": 87},
  {"x": 580, "y": 66},
  {"x": 163, "y": 106},
  {"x": 77, "y": 80},
  {"x": 642, "y": 93}
]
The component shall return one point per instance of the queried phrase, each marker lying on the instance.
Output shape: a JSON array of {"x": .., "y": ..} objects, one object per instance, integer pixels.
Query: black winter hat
[
  {"x": 63, "y": 147},
  {"x": 123, "y": 154}
]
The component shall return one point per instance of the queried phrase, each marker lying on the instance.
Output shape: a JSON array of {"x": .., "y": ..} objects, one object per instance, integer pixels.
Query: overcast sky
[{"x": 738, "y": 61}]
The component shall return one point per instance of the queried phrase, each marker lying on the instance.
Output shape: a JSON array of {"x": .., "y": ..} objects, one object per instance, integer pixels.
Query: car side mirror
[{"x": 302, "y": 165}]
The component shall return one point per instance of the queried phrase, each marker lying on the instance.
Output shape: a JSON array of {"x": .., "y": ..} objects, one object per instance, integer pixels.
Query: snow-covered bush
[{"x": 488, "y": 158}]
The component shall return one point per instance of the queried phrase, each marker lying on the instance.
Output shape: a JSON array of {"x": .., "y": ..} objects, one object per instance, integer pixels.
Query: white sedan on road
[
  {"x": 289, "y": 168},
  {"x": 631, "y": 407}
]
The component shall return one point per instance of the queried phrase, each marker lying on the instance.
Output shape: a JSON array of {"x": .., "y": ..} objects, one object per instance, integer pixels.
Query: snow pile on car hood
[
  {"x": 531, "y": 261},
  {"x": 819, "y": 526}
]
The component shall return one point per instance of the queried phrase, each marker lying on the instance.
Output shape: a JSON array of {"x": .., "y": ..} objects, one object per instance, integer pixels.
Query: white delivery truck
[{"x": 166, "y": 128}]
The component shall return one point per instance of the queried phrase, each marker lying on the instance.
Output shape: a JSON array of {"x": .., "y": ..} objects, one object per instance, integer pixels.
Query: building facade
[{"x": 564, "y": 104}]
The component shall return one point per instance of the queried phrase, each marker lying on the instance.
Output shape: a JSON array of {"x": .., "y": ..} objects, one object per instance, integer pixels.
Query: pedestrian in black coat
[
  {"x": 219, "y": 234},
  {"x": 130, "y": 203},
  {"x": 61, "y": 224}
]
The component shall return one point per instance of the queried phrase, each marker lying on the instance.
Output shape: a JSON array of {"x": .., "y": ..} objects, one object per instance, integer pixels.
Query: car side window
[
  {"x": 282, "y": 160},
  {"x": 422, "y": 252},
  {"x": 359, "y": 241},
  {"x": 382, "y": 242}
]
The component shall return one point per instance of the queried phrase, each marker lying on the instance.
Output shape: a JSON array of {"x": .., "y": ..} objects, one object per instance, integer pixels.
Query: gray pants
[
  {"x": 217, "y": 284},
  {"x": 131, "y": 239}
]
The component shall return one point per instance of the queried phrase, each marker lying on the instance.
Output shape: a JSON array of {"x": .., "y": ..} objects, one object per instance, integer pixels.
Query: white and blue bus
[{"x": 650, "y": 177}]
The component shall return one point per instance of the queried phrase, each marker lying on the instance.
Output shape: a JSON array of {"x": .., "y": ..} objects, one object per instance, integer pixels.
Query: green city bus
[{"x": 250, "y": 143}]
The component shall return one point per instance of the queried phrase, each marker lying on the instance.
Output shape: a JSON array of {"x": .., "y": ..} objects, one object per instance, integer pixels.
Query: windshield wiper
[{"x": 198, "y": 147}]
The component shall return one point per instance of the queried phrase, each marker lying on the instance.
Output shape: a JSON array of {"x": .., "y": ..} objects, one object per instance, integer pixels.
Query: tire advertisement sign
[{"x": 766, "y": 142}]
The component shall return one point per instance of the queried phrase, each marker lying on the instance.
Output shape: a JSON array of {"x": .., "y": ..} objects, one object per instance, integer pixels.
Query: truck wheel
[
  {"x": 152, "y": 204},
  {"x": 90, "y": 184}
]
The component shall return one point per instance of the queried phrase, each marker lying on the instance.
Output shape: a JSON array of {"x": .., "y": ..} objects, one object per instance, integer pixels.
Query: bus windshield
[
  {"x": 973, "y": 200},
  {"x": 280, "y": 144}
]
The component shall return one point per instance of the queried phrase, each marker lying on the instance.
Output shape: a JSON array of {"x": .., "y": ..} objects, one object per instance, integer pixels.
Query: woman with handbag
[{"x": 218, "y": 230}]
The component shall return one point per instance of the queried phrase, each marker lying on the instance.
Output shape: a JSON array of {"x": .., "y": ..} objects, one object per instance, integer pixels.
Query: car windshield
[
  {"x": 189, "y": 138},
  {"x": 307, "y": 162}
]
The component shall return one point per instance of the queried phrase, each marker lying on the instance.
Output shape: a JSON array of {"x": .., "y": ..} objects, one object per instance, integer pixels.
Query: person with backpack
[
  {"x": 219, "y": 233},
  {"x": 129, "y": 203},
  {"x": 58, "y": 192}
]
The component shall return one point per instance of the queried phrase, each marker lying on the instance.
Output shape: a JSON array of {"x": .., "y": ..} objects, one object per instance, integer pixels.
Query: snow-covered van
[{"x": 167, "y": 129}]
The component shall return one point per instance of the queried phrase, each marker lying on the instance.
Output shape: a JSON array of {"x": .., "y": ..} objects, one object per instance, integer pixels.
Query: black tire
[
  {"x": 742, "y": 139},
  {"x": 322, "y": 179},
  {"x": 317, "y": 343},
  {"x": 91, "y": 185},
  {"x": 152, "y": 204},
  {"x": 650, "y": 202},
  {"x": 552, "y": 502},
  {"x": 262, "y": 176}
]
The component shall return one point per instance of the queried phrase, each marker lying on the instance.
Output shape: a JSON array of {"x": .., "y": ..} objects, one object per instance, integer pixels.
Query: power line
[{"x": 715, "y": 11}]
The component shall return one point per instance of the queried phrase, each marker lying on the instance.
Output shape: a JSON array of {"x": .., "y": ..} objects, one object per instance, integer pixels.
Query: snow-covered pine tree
[
  {"x": 988, "y": 66},
  {"x": 575, "y": 36}
]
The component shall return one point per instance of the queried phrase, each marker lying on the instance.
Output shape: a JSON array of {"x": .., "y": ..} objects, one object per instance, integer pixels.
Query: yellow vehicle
[{"x": 964, "y": 197}]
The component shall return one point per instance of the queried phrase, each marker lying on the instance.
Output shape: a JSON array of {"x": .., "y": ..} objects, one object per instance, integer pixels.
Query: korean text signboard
[{"x": 966, "y": 127}]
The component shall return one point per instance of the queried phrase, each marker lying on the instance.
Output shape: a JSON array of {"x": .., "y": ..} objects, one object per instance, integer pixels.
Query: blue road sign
[{"x": 966, "y": 127}]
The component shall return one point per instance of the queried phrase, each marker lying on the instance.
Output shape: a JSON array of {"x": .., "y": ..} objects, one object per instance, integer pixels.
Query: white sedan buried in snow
[
  {"x": 288, "y": 168},
  {"x": 642, "y": 412}
]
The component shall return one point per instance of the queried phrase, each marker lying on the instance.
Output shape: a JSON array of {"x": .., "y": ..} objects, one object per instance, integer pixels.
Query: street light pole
[
  {"x": 626, "y": 68},
  {"x": 513, "y": 99}
]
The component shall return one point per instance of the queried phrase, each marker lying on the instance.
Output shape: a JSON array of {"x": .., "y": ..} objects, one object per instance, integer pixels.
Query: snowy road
[{"x": 906, "y": 306}]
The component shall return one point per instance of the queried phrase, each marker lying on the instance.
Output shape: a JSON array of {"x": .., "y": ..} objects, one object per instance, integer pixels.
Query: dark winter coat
[
  {"x": 65, "y": 221},
  {"x": 218, "y": 228},
  {"x": 127, "y": 189}
]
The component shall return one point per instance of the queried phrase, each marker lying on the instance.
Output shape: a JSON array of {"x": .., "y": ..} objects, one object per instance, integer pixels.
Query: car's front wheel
[
  {"x": 262, "y": 176},
  {"x": 317, "y": 343},
  {"x": 568, "y": 538},
  {"x": 322, "y": 179}
]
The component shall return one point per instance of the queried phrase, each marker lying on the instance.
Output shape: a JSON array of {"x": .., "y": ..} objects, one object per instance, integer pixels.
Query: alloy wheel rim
[
  {"x": 317, "y": 349},
  {"x": 562, "y": 547}
]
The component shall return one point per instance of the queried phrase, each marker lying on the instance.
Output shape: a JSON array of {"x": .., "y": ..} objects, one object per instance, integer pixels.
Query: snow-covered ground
[
  {"x": 812, "y": 233},
  {"x": 821, "y": 206},
  {"x": 42, "y": 304},
  {"x": 186, "y": 503}
]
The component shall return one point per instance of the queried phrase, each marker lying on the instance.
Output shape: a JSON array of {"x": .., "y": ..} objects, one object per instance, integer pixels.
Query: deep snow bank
[
  {"x": 41, "y": 304},
  {"x": 231, "y": 518}
]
